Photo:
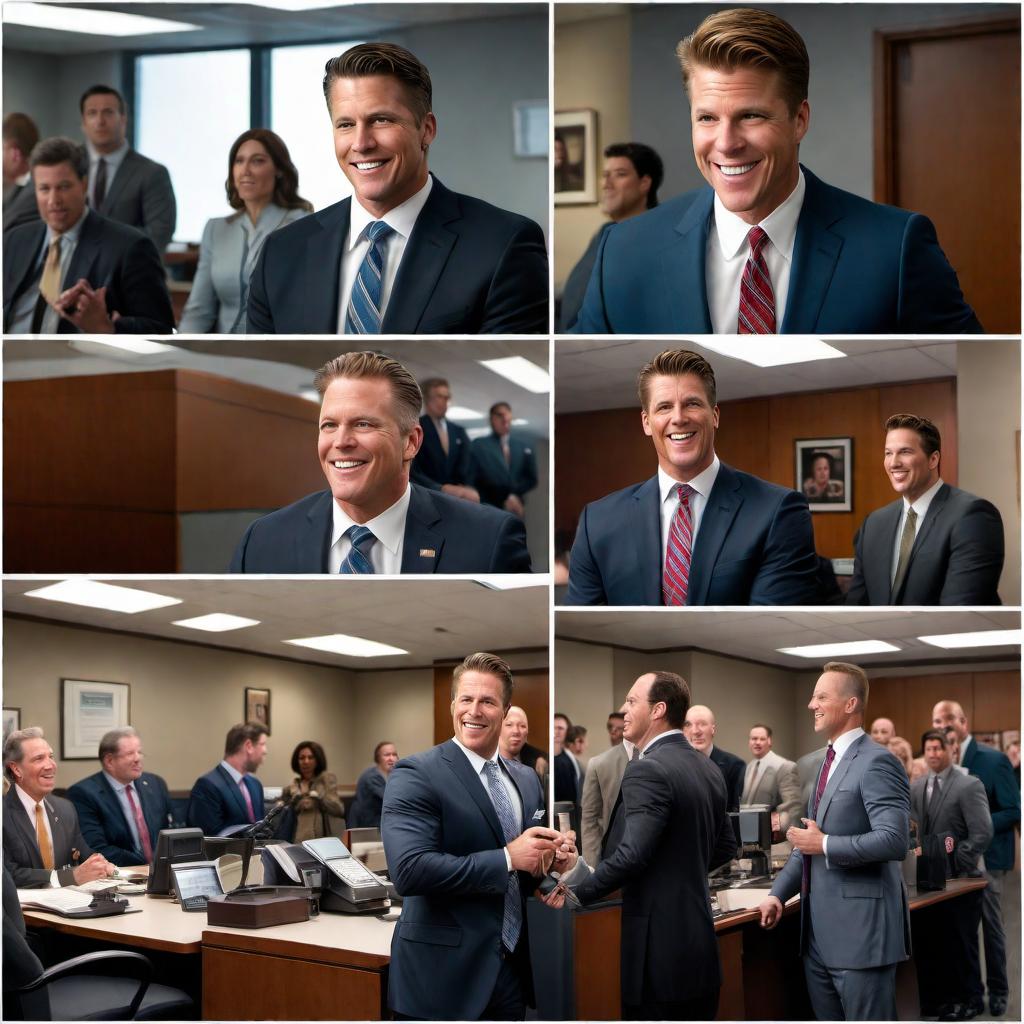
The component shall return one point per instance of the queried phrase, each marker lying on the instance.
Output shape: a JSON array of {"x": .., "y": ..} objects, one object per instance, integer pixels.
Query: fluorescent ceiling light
[
  {"x": 353, "y": 646},
  {"x": 216, "y": 622},
  {"x": 89, "y": 21},
  {"x": 985, "y": 638},
  {"x": 516, "y": 582},
  {"x": 474, "y": 432},
  {"x": 294, "y": 5},
  {"x": 92, "y": 594},
  {"x": 310, "y": 394},
  {"x": 461, "y": 414},
  {"x": 774, "y": 351},
  {"x": 522, "y": 372},
  {"x": 136, "y": 346},
  {"x": 839, "y": 650},
  {"x": 517, "y": 422}
]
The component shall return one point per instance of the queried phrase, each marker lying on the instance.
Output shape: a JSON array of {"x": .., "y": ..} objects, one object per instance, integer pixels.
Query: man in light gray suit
[
  {"x": 600, "y": 791},
  {"x": 771, "y": 779},
  {"x": 846, "y": 862},
  {"x": 123, "y": 184}
]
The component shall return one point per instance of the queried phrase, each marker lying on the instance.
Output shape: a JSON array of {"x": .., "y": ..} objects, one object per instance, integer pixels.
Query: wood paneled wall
[{"x": 600, "y": 452}]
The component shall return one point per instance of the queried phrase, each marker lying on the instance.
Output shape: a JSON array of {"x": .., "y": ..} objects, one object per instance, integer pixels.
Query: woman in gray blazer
[{"x": 263, "y": 186}]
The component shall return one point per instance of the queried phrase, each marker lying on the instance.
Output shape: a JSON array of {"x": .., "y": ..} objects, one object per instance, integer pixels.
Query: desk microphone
[{"x": 262, "y": 829}]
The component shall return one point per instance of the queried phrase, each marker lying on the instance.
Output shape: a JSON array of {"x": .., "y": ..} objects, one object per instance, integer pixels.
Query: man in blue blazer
[
  {"x": 445, "y": 459},
  {"x": 372, "y": 520},
  {"x": 229, "y": 796},
  {"x": 506, "y": 467},
  {"x": 846, "y": 862},
  {"x": 111, "y": 802},
  {"x": 766, "y": 247},
  {"x": 735, "y": 540},
  {"x": 444, "y": 263},
  {"x": 464, "y": 835}
]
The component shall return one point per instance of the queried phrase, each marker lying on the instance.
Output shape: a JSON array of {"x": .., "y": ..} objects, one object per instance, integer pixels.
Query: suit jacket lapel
[
  {"x": 463, "y": 770},
  {"x": 147, "y": 801},
  {"x": 877, "y": 563},
  {"x": 422, "y": 544},
  {"x": 230, "y": 789},
  {"x": 683, "y": 268},
  {"x": 125, "y": 173},
  {"x": 930, "y": 517},
  {"x": 33, "y": 248},
  {"x": 16, "y": 818},
  {"x": 836, "y": 776},
  {"x": 323, "y": 275},
  {"x": 646, "y": 536},
  {"x": 501, "y": 470},
  {"x": 85, "y": 255},
  {"x": 528, "y": 805},
  {"x": 312, "y": 544},
  {"x": 723, "y": 503}
]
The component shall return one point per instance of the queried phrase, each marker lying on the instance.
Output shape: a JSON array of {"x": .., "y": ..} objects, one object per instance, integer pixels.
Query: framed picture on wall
[
  {"x": 824, "y": 472},
  {"x": 575, "y": 157},
  {"x": 90, "y": 708},
  {"x": 257, "y": 706},
  {"x": 12, "y": 720}
]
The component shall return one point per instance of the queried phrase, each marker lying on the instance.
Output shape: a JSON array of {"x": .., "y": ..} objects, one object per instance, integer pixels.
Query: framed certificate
[{"x": 89, "y": 709}]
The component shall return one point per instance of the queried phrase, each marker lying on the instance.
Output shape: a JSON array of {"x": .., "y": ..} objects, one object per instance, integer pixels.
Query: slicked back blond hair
[
  {"x": 490, "y": 665},
  {"x": 405, "y": 392},
  {"x": 676, "y": 362}
]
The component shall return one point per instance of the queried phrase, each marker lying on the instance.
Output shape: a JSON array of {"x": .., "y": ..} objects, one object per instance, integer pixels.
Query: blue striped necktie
[
  {"x": 363, "y": 314},
  {"x": 512, "y": 919},
  {"x": 357, "y": 561}
]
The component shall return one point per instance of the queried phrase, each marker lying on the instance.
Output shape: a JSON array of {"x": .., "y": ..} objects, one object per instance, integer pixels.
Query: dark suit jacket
[
  {"x": 468, "y": 268},
  {"x": 141, "y": 195},
  {"x": 733, "y": 771},
  {"x": 957, "y": 556},
  {"x": 369, "y": 799},
  {"x": 858, "y": 267},
  {"x": 463, "y": 536},
  {"x": 496, "y": 479},
  {"x": 996, "y": 773},
  {"x": 21, "y": 851},
  {"x": 577, "y": 281},
  {"x": 566, "y": 786},
  {"x": 216, "y": 802},
  {"x": 675, "y": 830},
  {"x": 960, "y": 811},
  {"x": 755, "y": 546},
  {"x": 445, "y": 853},
  {"x": 108, "y": 254},
  {"x": 20, "y": 206},
  {"x": 432, "y": 468},
  {"x": 20, "y": 963},
  {"x": 102, "y": 820}
]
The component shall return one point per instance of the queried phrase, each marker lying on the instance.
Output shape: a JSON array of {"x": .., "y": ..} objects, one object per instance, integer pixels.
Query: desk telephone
[{"x": 349, "y": 885}]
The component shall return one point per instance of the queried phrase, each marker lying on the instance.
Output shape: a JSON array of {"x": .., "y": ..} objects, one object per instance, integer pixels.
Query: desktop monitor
[{"x": 173, "y": 846}]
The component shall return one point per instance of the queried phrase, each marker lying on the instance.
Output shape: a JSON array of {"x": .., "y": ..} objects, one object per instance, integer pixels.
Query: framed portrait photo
[
  {"x": 824, "y": 473},
  {"x": 257, "y": 706},
  {"x": 574, "y": 156},
  {"x": 90, "y": 708}
]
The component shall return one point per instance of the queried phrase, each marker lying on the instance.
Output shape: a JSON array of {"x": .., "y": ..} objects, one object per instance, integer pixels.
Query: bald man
[
  {"x": 882, "y": 730},
  {"x": 699, "y": 728},
  {"x": 512, "y": 743}
]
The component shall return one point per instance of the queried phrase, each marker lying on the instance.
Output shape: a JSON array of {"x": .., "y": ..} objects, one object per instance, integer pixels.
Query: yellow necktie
[
  {"x": 49, "y": 283},
  {"x": 43, "y": 839}
]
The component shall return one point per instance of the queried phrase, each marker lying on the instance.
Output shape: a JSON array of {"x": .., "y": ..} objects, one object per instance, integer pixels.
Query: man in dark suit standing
[
  {"x": 372, "y": 520},
  {"x": 404, "y": 255},
  {"x": 229, "y": 796},
  {"x": 700, "y": 728},
  {"x": 444, "y": 461},
  {"x": 465, "y": 842},
  {"x": 20, "y": 136},
  {"x": 766, "y": 247},
  {"x": 122, "y": 809},
  {"x": 42, "y": 843},
  {"x": 936, "y": 544},
  {"x": 124, "y": 185},
  {"x": 699, "y": 532},
  {"x": 75, "y": 270},
  {"x": 506, "y": 467}
]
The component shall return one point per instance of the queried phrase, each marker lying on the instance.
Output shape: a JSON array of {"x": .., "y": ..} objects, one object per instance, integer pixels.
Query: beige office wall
[
  {"x": 396, "y": 706},
  {"x": 184, "y": 698},
  {"x": 988, "y": 419},
  {"x": 592, "y": 70},
  {"x": 585, "y": 687}
]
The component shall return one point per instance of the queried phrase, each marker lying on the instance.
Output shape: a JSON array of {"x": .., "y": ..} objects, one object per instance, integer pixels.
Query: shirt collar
[
  {"x": 388, "y": 527},
  {"x": 946, "y": 772},
  {"x": 27, "y": 802},
  {"x": 844, "y": 742},
  {"x": 779, "y": 225},
  {"x": 112, "y": 158},
  {"x": 24, "y": 179},
  {"x": 118, "y": 787},
  {"x": 476, "y": 761},
  {"x": 701, "y": 483},
  {"x": 235, "y": 774},
  {"x": 921, "y": 505},
  {"x": 70, "y": 235},
  {"x": 659, "y": 737},
  {"x": 401, "y": 219}
]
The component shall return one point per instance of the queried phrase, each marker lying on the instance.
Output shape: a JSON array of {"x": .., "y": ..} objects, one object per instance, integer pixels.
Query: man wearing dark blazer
[
  {"x": 442, "y": 263},
  {"x": 699, "y": 532},
  {"x": 846, "y": 863},
  {"x": 124, "y": 185},
  {"x": 445, "y": 460},
  {"x": 75, "y": 270},
  {"x": 700, "y": 728},
  {"x": 42, "y": 843},
  {"x": 936, "y": 544},
  {"x": 372, "y": 520},
  {"x": 20, "y": 136},
  {"x": 766, "y": 247},
  {"x": 506, "y": 467},
  {"x": 122, "y": 809},
  {"x": 229, "y": 796},
  {"x": 464, "y": 836}
]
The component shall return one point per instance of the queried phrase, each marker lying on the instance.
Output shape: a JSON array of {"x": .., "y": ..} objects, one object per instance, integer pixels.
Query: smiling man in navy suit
[
  {"x": 372, "y": 519},
  {"x": 767, "y": 247},
  {"x": 698, "y": 532},
  {"x": 405, "y": 255}
]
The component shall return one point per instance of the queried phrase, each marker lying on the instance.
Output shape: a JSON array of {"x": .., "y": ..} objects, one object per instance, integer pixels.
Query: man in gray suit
[
  {"x": 42, "y": 843},
  {"x": 123, "y": 184},
  {"x": 846, "y": 862},
  {"x": 771, "y": 779},
  {"x": 600, "y": 791},
  {"x": 20, "y": 136}
]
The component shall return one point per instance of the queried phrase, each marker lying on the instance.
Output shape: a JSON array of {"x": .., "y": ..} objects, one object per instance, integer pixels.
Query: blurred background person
[
  {"x": 313, "y": 795},
  {"x": 904, "y": 753},
  {"x": 20, "y": 136},
  {"x": 366, "y": 808},
  {"x": 263, "y": 188},
  {"x": 820, "y": 486}
]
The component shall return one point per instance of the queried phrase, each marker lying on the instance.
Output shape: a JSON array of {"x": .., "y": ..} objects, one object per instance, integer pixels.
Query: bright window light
[
  {"x": 774, "y": 351},
  {"x": 352, "y": 646},
  {"x": 986, "y": 638},
  {"x": 461, "y": 414},
  {"x": 839, "y": 650},
  {"x": 92, "y": 594},
  {"x": 514, "y": 582},
  {"x": 474, "y": 432},
  {"x": 136, "y": 346},
  {"x": 521, "y": 371},
  {"x": 217, "y": 622},
  {"x": 90, "y": 21}
]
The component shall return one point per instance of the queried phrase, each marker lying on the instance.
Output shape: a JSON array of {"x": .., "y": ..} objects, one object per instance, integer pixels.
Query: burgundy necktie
[
  {"x": 757, "y": 300},
  {"x": 805, "y": 881},
  {"x": 248, "y": 799},
  {"x": 140, "y": 824},
  {"x": 675, "y": 579}
]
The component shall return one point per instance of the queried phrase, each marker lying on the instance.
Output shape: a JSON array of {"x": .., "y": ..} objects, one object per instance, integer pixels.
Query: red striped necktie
[
  {"x": 757, "y": 300},
  {"x": 676, "y": 577}
]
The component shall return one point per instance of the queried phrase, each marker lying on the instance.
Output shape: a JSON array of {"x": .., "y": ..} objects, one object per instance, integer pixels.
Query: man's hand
[
  {"x": 97, "y": 866},
  {"x": 527, "y": 851},
  {"x": 807, "y": 840},
  {"x": 771, "y": 911},
  {"x": 86, "y": 308},
  {"x": 459, "y": 491},
  {"x": 514, "y": 504},
  {"x": 556, "y": 898},
  {"x": 566, "y": 855}
]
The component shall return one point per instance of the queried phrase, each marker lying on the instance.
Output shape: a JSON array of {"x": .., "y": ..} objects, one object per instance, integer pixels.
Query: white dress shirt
[
  {"x": 113, "y": 160},
  {"x": 477, "y": 763},
  {"x": 921, "y": 508},
  {"x": 727, "y": 251},
  {"x": 840, "y": 746},
  {"x": 30, "y": 809},
  {"x": 701, "y": 484},
  {"x": 388, "y": 528},
  {"x": 402, "y": 219},
  {"x": 660, "y": 736}
]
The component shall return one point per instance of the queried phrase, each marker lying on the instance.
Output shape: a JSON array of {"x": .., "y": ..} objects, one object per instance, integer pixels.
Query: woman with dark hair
[
  {"x": 820, "y": 486},
  {"x": 313, "y": 796},
  {"x": 263, "y": 187}
]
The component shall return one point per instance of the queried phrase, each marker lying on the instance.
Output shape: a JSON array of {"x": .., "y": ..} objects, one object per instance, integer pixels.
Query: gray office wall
[{"x": 839, "y": 145}]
